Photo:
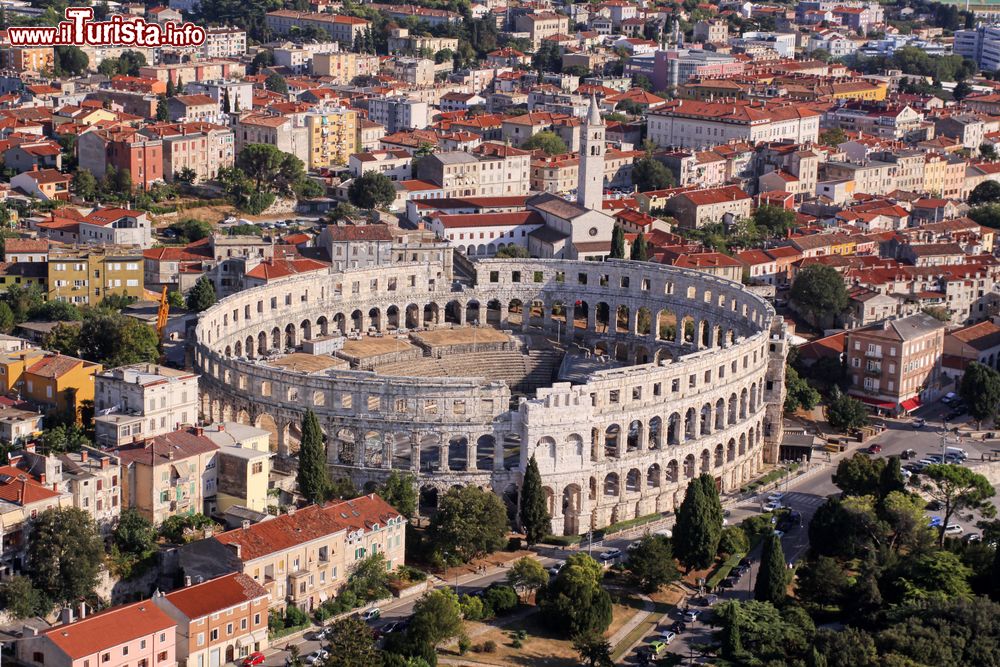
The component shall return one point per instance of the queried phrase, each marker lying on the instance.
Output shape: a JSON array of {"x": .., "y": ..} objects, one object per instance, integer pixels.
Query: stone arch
[
  {"x": 754, "y": 405},
  {"x": 643, "y": 322},
  {"x": 666, "y": 325},
  {"x": 653, "y": 475},
  {"x": 611, "y": 484},
  {"x": 656, "y": 433},
  {"x": 346, "y": 446},
  {"x": 511, "y": 451},
  {"x": 633, "y": 480},
  {"x": 494, "y": 313},
  {"x": 431, "y": 314},
  {"x": 515, "y": 313},
  {"x": 357, "y": 320},
  {"x": 430, "y": 452},
  {"x": 485, "y": 452},
  {"x": 229, "y": 351},
  {"x": 743, "y": 443},
  {"x": 412, "y": 316},
  {"x": 720, "y": 457},
  {"x": 375, "y": 319},
  {"x": 581, "y": 314},
  {"x": 689, "y": 470},
  {"x": 574, "y": 446},
  {"x": 402, "y": 451},
  {"x": 743, "y": 404},
  {"x": 673, "y": 471},
  {"x": 691, "y": 424},
  {"x": 720, "y": 414},
  {"x": 718, "y": 338},
  {"x": 458, "y": 452},
  {"x": 428, "y": 498},
  {"x": 731, "y": 450},
  {"x": 373, "y": 453},
  {"x": 323, "y": 325},
  {"x": 706, "y": 461},
  {"x": 674, "y": 429},
  {"x": 621, "y": 351},
  {"x": 536, "y": 313},
  {"x": 291, "y": 334},
  {"x": 453, "y": 312},
  {"x": 705, "y": 333},
  {"x": 612, "y": 446},
  {"x": 261, "y": 344},
  {"x": 601, "y": 348},
  {"x": 248, "y": 347},
  {"x": 305, "y": 330},
  {"x": 243, "y": 417},
  {"x": 267, "y": 422},
  {"x": 547, "y": 446},
  {"x": 472, "y": 312},
  {"x": 622, "y": 314},
  {"x": 571, "y": 506},
  {"x": 550, "y": 498},
  {"x": 706, "y": 419},
  {"x": 592, "y": 492},
  {"x": 275, "y": 338},
  {"x": 391, "y": 318},
  {"x": 687, "y": 327},
  {"x": 635, "y": 432},
  {"x": 641, "y": 355},
  {"x": 733, "y": 408},
  {"x": 602, "y": 317}
]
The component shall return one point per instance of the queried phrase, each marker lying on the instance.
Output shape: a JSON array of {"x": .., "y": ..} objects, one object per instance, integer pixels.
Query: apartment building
[
  {"x": 541, "y": 25},
  {"x": 201, "y": 147},
  {"x": 395, "y": 164},
  {"x": 142, "y": 401},
  {"x": 198, "y": 70},
  {"x": 46, "y": 184},
  {"x": 224, "y": 42},
  {"x": 896, "y": 365},
  {"x": 333, "y": 137},
  {"x": 281, "y": 132},
  {"x": 340, "y": 28},
  {"x": 344, "y": 66},
  {"x": 417, "y": 71},
  {"x": 698, "y": 208},
  {"x": 117, "y": 226},
  {"x": 170, "y": 474},
  {"x": 698, "y": 124},
  {"x": 36, "y": 59},
  {"x": 84, "y": 276},
  {"x": 877, "y": 119},
  {"x": 559, "y": 174},
  {"x": 125, "y": 149},
  {"x": 91, "y": 476},
  {"x": 872, "y": 176},
  {"x": 24, "y": 497},
  {"x": 49, "y": 380},
  {"x": 492, "y": 169},
  {"x": 220, "y": 621},
  {"x": 305, "y": 556},
  {"x": 981, "y": 45},
  {"x": 398, "y": 113},
  {"x": 139, "y": 634},
  {"x": 240, "y": 94}
]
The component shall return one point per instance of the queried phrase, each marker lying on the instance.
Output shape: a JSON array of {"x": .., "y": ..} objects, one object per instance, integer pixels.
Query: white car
[
  {"x": 779, "y": 534},
  {"x": 953, "y": 529},
  {"x": 773, "y": 505},
  {"x": 610, "y": 555},
  {"x": 691, "y": 615},
  {"x": 667, "y": 636},
  {"x": 776, "y": 495},
  {"x": 665, "y": 532},
  {"x": 371, "y": 614},
  {"x": 316, "y": 656}
]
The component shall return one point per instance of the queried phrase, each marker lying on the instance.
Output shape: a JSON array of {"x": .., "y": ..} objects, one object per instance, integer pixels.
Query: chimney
[
  {"x": 105, "y": 463},
  {"x": 66, "y": 616},
  {"x": 246, "y": 524},
  {"x": 83, "y": 610},
  {"x": 84, "y": 455},
  {"x": 222, "y": 428},
  {"x": 187, "y": 581},
  {"x": 30, "y": 448},
  {"x": 198, "y": 430},
  {"x": 291, "y": 510}
]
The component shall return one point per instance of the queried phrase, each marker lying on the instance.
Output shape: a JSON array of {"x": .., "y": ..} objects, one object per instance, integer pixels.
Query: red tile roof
[
  {"x": 491, "y": 219},
  {"x": 216, "y": 595},
  {"x": 26, "y": 245},
  {"x": 309, "y": 523},
  {"x": 171, "y": 446},
  {"x": 110, "y": 628},
  {"x": 17, "y": 487},
  {"x": 279, "y": 268}
]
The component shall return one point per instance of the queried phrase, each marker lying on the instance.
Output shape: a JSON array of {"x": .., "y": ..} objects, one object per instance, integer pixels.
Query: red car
[
  {"x": 875, "y": 449},
  {"x": 256, "y": 658}
]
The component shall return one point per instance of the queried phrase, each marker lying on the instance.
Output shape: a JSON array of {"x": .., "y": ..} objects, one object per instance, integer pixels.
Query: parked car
[
  {"x": 316, "y": 656},
  {"x": 934, "y": 505},
  {"x": 554, "y": 570},
  {"x": 255, "y": 658},
  {"x": 709, "y": 600},
  {"x": 908, "y": 454},
  {"x": 610, "y": 555},
  {"x": 949, "y": 397},
  {"x": 972, "y": 537},
  {"x": 657, "y": 646},
  {"x": 776, "y": 495},
  {"x": 919, "y": 423},
  {"x": 779, "y": 534},
  {"x": 773, "y": 505},
  {"x": 372, "y": 614},
  {"x": 874, "y": 449},
  {"x": 678, "y": 627},
  {"x": 953, "y": 529},
  {"x": 394, "y": 626},
  {"x": 934, "y": 521},
  {"x": 691, "y": 615},
  {"x": 667, "y": 636}
]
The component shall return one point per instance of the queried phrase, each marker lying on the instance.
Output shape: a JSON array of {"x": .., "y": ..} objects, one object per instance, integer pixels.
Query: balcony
[{"x": 872, "y": 354}]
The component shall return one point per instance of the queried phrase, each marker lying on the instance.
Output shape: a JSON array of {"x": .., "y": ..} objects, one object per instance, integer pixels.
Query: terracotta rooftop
[
  {"x": 216, "y": 595},
  {"x": 113, "y": 627},
  {"x": 172, "y": 446}
]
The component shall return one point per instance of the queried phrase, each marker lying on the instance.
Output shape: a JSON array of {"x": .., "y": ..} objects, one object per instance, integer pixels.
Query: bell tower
[{"x": 590, "y": 179}]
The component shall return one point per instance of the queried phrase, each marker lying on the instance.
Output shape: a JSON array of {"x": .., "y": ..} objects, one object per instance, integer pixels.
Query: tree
[
  {"x": 988, "y": 152},
  {"x": 652, "y": 563},
  {"x": 436, "y": 617},
  {"x": 351, "y": 644},
  {"x": 980, "y": 389},
  {"x": 959, "y": 489},
  {"x": 190, "y": 230},
  {"x": 822, "y": 581},
  {"x": 798, "y": 392},
  {"x": 513, "y": 252},
  {"x": 276, "y": 83},
  {"x": 987, "y": 192},
  {"x": 847, "y": 647},
  {"x": 400, "y": 491},
  {"x": 271, "y": 169},
  {"x": 987, "y": 215},
  {"x": 772, "y": 577},
  {"x": 6, "y": 318},
  {"x": 845, "y": 413},
  {"x": 176, "y": 300},
  {"x": 774, "y": 221},
  {"x": 698, "y": 527},
  {"x": 20, "y": 598},
  {"x": 533, "y": 513},
  {"x": 818, "y": 290},
  {"x": 70, "y": 60},
  {"x": 109, "y": 338},
  {"x": 369, "y": 578},
  {"x": 891, "y": 478},
  {"x": 202, "y": 295},
  {"x": 372, "y": 190},
  {"x": 469, "y": 523},
  {"x": 186, "y": 175},
  {"x": 939, "y": 313},
  {"x": 594, "y": 649},
  {"x": 548, "y": 142},
  {"x": 832, "y": 137},
  {"x": 22, "y": 299},
  {"x": 171, "y": 87},
  {"x": 527, "y": 575},
  {"x": 313, "y": 477},
  {"x": 859, "y": 475},
  {"x": 640, "y": 249},
  {"x": 134, "y": 533},
  {"x": 574, "y": 602},
  {"x": 56, "y": 311},
  {"x": 84, "y": 185},
  {"x": 617, "y": 243},
  {"x": 651, "y": 174},
  {"x": 732, "y": 638},
  {"x": 733, "y": 540},
  {"x": 162, "y": 110},
  {"x": 65, "y": 553},
  {"x": 961, "y": 91}
]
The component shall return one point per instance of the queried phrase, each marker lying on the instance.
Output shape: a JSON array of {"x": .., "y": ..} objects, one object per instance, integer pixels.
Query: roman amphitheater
[{"x": 623, "y": 379}]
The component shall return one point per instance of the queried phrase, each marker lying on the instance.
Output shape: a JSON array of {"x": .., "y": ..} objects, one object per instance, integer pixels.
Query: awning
[
  {"x": 910, "y": 404},
  {"x": 874, "y": 402}
]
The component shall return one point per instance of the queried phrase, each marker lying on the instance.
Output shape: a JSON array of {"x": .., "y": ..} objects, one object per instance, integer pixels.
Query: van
[{"x": 956, "y": 451}]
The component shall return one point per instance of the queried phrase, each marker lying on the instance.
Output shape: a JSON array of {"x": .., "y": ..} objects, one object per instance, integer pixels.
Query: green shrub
[
  {"x": 514, "y": 544},
  {"x": 348, "y": 599},
  {"x": 561, "y": 540},
  {"x": 516, "y": 643},
  {"x": 501, "y": 598},
  {"x": 295, "y": 616},
  {"x": 464, "y": 644},
  {"x": 488, "y": 646},
  {"x": 472, "y": 608}
]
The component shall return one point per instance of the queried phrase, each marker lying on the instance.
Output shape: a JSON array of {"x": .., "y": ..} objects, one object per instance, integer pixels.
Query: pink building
[{"x": 134, "y": 635}]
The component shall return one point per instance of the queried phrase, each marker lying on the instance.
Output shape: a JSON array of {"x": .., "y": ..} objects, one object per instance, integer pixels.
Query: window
[
  {"x": 201, "y": 639},
  {"x": 258, "y": 467},
  {"x": 106, "y": 657},
  {"x": 38, "y": 657},
  {"x": 214, "y": 635},
  {"x": 229, "y": 628},
  {"x": 162, "y": 655}
]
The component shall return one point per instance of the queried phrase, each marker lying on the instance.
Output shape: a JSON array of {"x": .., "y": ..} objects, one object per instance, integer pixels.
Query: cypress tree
[
  {"x": 697, "y": 532},
  {"x": 891, "y": 478},
  {"x": 732, "y": 641},
  {"x": 313, "y": 476},
  {"x": 535, "y": 520},
  {"x": 617, "y": 243},
  {"x": 713, "y": 509},
  {"x": 640, "y": 249},
  {"x": 772, "y": 578},
  {"x": 226, "y": 106}
]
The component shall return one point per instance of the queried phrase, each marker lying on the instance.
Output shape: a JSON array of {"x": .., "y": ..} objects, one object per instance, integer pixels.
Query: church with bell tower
[{"x": 590, "y": 178}]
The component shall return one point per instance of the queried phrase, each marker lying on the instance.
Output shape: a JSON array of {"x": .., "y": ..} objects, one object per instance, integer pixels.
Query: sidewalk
[{"x": 647, "y": 608}]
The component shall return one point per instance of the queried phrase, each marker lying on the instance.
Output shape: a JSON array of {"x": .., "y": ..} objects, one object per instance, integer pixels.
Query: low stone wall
[{"x": 371, "y": 362}]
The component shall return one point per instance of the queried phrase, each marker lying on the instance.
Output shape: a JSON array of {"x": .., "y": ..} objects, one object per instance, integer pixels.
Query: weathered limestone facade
[{"x": 704, "y": 394}]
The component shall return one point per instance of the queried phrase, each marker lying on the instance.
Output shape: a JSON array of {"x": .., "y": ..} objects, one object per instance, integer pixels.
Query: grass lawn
[{"x": 540, "y": 647}]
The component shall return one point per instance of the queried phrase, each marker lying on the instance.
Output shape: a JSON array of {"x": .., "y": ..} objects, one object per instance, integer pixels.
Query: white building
[
  {"x": 142, "y": 401},
  {"x": 981, "y": 44},
  {"x": 397, "y": 164},
  {"x": 399, "y": 113},
  {"x": 117, "y": 226},
  {"x": 700, "y": 125}
]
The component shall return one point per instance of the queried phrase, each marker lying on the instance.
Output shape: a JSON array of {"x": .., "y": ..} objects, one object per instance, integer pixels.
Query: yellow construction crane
[{"x": 162, "y": 313}]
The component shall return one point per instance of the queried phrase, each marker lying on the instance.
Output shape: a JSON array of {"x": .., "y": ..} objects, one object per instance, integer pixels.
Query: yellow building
[
  {"x": 84, "y": 276},
  {"x": 935, "y": 167},
  {"x": 47, "y": 379},
  {"x": 333, "y": 137},
  {"x": 244, "y": 465}
]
